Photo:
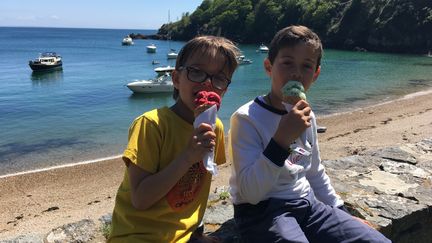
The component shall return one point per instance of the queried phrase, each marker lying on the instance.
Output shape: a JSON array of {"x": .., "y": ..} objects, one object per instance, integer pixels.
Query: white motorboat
[
  {"x": 161, "y": 84},
  {"x": 162, "y": 70},
  {"x": 172, "y": 54},
  {"x": 151, "y": 48},
  {"x": 263, "y": 48},
  {"x": 46, "y": 61},
  {"x": 243, "y": 60},
  {"x": 127, "y": 41}
]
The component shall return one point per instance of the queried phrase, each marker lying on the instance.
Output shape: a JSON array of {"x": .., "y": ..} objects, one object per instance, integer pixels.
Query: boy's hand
[
  {"x": 293, "y": 124},
  {"x": 203, "y": 141}
]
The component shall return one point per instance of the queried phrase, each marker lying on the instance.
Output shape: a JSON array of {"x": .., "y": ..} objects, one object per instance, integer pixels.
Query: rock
[
  {"x": 153, "y": 37},
  {"x": 81, "y": 231},
  {"x": 25, "y": 239},
  {"x": 396, "y": 154},
  {"x": 219, "y": 213},
  {"x": 390, "y": 187}
]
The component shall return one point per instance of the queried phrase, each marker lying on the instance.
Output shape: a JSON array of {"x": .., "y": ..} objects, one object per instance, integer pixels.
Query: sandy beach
[{"x": 37, "y": 202}]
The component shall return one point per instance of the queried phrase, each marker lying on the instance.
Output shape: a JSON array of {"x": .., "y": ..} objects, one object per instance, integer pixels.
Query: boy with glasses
[{"x": 165, "y": 188}]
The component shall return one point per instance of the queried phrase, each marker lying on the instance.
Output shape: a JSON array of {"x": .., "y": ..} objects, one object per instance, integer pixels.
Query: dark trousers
[{"x": 300, "y": 220}]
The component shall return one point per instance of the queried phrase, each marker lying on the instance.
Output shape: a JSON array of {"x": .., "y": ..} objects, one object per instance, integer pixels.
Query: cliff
[{"x": 403, "y": 26}]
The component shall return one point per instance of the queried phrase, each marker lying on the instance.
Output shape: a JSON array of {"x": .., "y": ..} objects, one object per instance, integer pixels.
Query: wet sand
[{"x": 37, "y": 202}]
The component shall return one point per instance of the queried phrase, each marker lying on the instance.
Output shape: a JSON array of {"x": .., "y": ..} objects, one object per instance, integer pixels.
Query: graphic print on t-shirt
[{"x": 186, "y": 189}]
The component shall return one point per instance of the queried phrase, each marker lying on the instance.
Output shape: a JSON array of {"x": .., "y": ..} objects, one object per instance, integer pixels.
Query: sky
[{"x": 106, "y": 14}]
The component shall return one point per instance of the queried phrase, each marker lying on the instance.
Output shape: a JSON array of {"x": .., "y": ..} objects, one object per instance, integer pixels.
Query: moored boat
[
  {"x": 162, "y": 70},
  {"x": 243, "y": 60},
  {"x": 127, "y": 41},
  {"x": 46, "y": 61},
  {"x": 161, "y": 84},
  {"x": 172, "y": 54},
  {"x": 263, "y": 48},
  {"x": 151, "y": 48}
]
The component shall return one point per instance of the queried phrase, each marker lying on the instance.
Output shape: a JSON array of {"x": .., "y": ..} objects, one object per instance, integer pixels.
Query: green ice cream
[{"x": 294, "y": 89}]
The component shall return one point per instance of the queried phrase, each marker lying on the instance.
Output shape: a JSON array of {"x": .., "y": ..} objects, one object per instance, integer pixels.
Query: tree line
[{"x": 403, "y": 26}]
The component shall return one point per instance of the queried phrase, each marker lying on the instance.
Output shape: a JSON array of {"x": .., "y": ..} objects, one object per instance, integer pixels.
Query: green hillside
[{"x": 403, "y": 26}]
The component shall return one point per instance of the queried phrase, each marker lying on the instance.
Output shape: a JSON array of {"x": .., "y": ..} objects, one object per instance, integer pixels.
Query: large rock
[
  {"x": 391, "y": 188},
  {"x": 81, "y": 231}
]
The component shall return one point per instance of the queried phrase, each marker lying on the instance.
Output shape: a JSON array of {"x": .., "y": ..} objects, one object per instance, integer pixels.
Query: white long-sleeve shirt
[{"x": 261, "y": 169}]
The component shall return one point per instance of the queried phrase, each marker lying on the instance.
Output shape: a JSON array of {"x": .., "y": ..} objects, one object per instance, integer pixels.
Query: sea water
[{"x": 84, "y": 111}]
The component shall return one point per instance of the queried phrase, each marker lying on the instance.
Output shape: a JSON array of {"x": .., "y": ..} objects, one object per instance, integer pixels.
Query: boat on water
[
  {"x": 46, "y": 61},
  {"x": 172, "y": 54},
  {"x": 127, "y": 41},
  {"x": 243, "y": 60},
  {"x": 263, "y": 48},
  {"x": 165, "y": 69},
  {"x": 151, "y": 48},
  {"x": 161, "y": 84}
]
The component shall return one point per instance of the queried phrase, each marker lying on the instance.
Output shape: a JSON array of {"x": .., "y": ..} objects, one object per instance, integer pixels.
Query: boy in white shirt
[{"x": 279, "y": 187}]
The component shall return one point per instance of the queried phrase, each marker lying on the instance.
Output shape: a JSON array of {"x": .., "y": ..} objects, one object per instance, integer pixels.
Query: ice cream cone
[
  {"x": 293, "y": 92},
  {"x": 205, "y": 100}
]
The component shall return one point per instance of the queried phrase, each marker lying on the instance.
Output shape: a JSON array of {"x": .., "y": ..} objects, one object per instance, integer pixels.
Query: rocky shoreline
[
  {"x": 390, "y": 187},
  {"x": 139, "y": 36}
]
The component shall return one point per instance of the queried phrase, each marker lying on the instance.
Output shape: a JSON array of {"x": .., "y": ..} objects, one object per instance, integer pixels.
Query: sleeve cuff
[{"x": 275, "y": 153}]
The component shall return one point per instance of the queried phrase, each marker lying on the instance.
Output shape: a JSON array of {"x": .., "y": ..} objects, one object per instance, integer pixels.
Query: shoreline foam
[{"x": 61, "y": 166}]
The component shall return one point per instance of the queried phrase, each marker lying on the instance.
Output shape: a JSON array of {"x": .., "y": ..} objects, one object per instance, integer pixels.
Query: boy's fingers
[
  {"x": 302, "y": 104},
  {"x": 209, "y": 143},
  {"x": 202, "y": 127},
  {"x": 307, "y": 111},
  {"x": 209, "y": 134}
]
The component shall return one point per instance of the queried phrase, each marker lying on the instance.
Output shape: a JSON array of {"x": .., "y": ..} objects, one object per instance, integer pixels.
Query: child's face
[
  {"x": 213, "y": 66},
  {"x": 297, "y": 63}
]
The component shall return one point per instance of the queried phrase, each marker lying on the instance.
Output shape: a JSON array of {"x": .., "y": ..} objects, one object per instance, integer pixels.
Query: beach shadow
[{"x": 228, "y": 232}]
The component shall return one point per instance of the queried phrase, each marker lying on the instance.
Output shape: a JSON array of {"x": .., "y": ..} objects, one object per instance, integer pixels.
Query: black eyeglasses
[{"x": 218, "y": 81}]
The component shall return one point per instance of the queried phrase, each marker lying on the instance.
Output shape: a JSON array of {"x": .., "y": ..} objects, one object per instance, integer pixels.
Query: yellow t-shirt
[{"x": 155, "y": 139}]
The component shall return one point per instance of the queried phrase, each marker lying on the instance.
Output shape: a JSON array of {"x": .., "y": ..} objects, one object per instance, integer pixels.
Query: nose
[
  {"x": 207, "y": 82},
  {"x": 296, "y": 75}
]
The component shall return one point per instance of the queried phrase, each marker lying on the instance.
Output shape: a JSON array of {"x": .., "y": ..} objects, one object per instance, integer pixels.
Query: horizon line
[{"x": 52, "y": 27}]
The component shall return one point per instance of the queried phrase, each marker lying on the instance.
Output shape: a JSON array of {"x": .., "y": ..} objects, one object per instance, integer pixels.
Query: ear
[
  {"x": 317, "y": 73},
  {"x": 267, "y": 66},
  {"x": 175, "y": 75}
]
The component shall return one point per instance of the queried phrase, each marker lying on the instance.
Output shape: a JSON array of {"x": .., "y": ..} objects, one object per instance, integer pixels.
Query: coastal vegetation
[{"x": 403, "y": 26}]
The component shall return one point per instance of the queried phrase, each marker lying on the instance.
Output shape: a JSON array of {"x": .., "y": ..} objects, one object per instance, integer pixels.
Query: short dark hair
[
  {"x": 293, "y": 35},
  {"x": 209, "y": 46}
]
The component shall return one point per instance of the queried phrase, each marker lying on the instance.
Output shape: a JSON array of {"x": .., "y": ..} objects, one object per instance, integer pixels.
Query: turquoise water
[{"x": 83, "y": 112}]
